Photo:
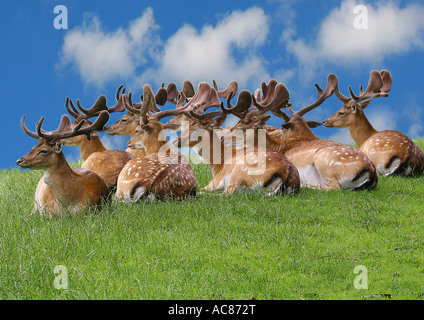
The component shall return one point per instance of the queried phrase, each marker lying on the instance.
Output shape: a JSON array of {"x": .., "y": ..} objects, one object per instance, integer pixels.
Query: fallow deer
[
  {"x": 232, "y": 170},
  {"x": 62, "y": 189},
  {"x": 321, "y": 163},
  {"x": 163, "y": 172},
  {"x": 106, "y": 163},
  {"x": 125, "y": 126},
  {"x": 392, "y": 152}
]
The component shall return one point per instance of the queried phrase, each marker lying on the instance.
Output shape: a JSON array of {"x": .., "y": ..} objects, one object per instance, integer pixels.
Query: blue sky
[{"x": 297, "y": 42}]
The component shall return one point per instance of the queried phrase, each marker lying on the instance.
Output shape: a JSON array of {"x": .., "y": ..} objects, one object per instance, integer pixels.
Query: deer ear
[
  {"x": 146, "y": 127},
  {"x": 364, "y": 104},
  {"x": 314, "y": 124},
  {"x": 58, "y": 146},
  {"x": 354, "y": 107},
  {"x": 265, "y": 119},
  {"x": 287, "y": 125}
]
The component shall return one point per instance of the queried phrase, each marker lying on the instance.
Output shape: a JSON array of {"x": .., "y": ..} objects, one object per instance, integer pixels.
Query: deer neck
[
  {"x": 217, "y": 153},
  {"x": 361, "y": 129},
  {"x": 90, "y": 146},
  {"x": 59, "y": 175},
  {"x": 155, "y": 146}
]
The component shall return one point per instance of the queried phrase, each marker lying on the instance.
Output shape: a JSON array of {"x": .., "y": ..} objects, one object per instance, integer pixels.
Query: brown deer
[
  {"x": 321, "y": 163},
  {"x": 126, "y": 125},
  {"x": 392, "y": 152},
  {"x": 163, "y": 173},
  {"x": 62, "y": 189},
  {"x": 232, "y": 170},
  {"x": 106, "y": 163}
]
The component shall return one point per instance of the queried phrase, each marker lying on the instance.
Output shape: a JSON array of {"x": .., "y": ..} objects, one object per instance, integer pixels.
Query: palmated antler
[
  {"x": 276, "y": 98},
  {"x": 65, "y": 129},
  {"x": 244, "y": 101},
  {"x": 379, "y": 85},
  {"x": 230, "y": 90},
  {"x": 174, "y": 94},
  {"x": 204, "y": 98}
]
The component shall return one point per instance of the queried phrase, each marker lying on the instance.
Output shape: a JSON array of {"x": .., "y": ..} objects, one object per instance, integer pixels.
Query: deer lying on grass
[
  {"x": 232, "y": 170},
  {"x": 392, "y": 152},
  {"x": 62, "y": 189},
  {"x": 163, "y": 173},
  {"x": 106, "y": 163},
  {"x": 321, "y": 163}
]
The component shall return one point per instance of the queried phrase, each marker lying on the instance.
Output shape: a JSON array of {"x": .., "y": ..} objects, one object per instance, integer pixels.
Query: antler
[
  {"x": 99, "y": 105},
  {"x": 65, "y": 129},
  {"x": 379, "y": 85},
  {"x": 322, "y": 95},
  {"x": 204, "y": 98},
  {"x": 244, "y": 102},
  {"x": 148, "y": 103},
  {"x": 173, "y": 94},
  {"x": 200, "y": 99},
  {"x": 373, "y": 90},
  {"x": 276, "y": 98},
  {"x": 231, "y": 89}
]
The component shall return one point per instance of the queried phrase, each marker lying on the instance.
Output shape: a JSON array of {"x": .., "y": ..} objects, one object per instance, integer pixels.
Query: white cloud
[
  {"x": 223, "y": 53},
  {"x": 391, "y": 30},
  {"x": 100, "y": 57}
]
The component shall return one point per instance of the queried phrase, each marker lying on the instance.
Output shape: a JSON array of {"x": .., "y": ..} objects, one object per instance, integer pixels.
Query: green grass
[{"x": 245, "y": 246}]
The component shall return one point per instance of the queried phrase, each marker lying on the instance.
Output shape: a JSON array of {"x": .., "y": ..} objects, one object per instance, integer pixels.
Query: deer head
[
  {"x": 50, "y": 143},
  {"x": 298, "y": 127},
  {"x": 379, "y": 85},
  {"x": 126, "y": 125},
  {"x": 150, "y": 131}
]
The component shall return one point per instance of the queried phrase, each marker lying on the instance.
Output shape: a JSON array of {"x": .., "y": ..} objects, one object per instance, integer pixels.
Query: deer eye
[
  {"x": 341, "y": 113},
  {"x": 123, "y": 120},
  {"x": 42, "y": 152}
]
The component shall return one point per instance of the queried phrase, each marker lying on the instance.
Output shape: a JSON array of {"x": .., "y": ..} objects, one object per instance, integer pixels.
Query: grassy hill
[{"x": 247, "y": 246}]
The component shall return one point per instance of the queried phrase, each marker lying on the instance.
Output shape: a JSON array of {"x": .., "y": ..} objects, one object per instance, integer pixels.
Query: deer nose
[{"x": 20, "y": 161}]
